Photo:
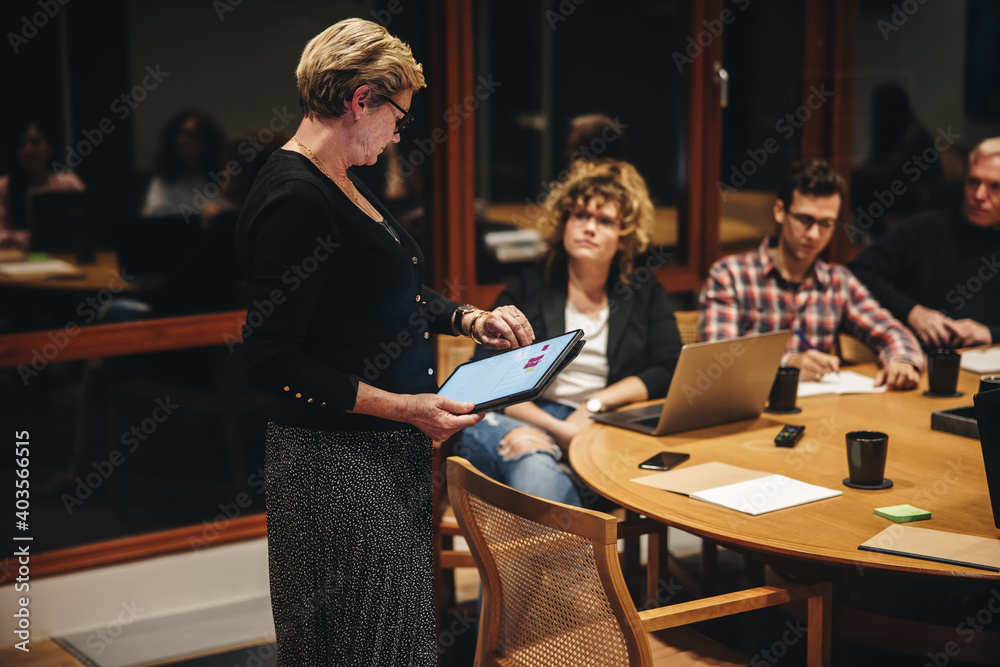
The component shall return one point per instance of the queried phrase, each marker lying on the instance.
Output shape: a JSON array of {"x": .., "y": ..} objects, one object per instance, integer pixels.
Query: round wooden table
[{"x": 930, "y": 469}]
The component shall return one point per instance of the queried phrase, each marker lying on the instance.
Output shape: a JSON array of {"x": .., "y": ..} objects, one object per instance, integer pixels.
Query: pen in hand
[{"x": 805, "y": 341}]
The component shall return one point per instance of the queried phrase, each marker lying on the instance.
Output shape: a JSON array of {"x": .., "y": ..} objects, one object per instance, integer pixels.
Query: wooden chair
[
  {"x": 687, "y": 325},
  {"x": 553, "y": 592},
  {"x": 451, "y": 351},
  {"x": 853, "y": 351}
]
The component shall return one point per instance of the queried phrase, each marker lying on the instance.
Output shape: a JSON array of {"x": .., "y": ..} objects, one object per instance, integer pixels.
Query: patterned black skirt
[{"x": 349, "y": 547}]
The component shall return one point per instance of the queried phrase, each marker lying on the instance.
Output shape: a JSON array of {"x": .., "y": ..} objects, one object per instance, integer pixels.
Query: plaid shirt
[{"x": 746, "y": 294}]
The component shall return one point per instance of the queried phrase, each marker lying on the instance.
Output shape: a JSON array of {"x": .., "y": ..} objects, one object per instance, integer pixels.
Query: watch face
[{"x": 595, "y": 405}]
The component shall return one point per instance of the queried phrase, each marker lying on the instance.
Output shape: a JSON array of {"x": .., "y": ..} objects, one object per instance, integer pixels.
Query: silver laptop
[{"x": 714, "y": 383}]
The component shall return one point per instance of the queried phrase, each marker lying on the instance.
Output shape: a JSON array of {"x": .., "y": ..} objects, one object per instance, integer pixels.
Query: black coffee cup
[
  {"x": 989, "y": 383},
  {"x": 942, "y": 372},
  {"x": 866, "y": 454},
  {"x": 784, "y": 390}
]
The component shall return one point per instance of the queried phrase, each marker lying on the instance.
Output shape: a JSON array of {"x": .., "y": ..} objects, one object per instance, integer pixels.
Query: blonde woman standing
[{"x": 339, "y": 328}]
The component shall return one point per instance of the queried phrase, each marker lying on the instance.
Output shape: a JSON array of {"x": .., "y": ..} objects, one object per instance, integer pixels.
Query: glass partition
[
  {"x": 927, "y": 89},
  {"x": 575, "y": 81}
]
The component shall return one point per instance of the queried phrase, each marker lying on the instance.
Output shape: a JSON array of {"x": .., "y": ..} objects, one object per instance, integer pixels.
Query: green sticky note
[
  {"x": 38, "y": 256},
  {"x": 902, "y": 513}
]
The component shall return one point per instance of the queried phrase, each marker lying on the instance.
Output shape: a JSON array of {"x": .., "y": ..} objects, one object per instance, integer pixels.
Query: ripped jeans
[{"x": 539, "y": 472}]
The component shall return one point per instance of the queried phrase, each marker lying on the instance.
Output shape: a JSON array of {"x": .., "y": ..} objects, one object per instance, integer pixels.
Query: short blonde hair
[
  {"x": 985, "y": 148},
  {"x": 347, "y": 55},
  {"x": 606, "y": 180}
]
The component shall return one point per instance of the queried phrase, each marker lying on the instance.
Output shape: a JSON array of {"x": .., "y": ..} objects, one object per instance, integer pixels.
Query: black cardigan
[
  {"x": 642, "y": 334},
  {"x": 940, "y": 261},
  {"x": 334, "y": 299}
]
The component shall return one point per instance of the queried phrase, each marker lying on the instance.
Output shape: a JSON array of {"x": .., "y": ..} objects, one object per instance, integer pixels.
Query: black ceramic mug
[
  {"x": 784, "y": 390},
  {"x": 942, "y": 371},
  {"x": 866, "y": 454}
]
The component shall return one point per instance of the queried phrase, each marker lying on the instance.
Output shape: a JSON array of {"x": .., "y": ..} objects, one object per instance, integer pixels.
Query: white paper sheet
[
  {"x": 765, "y": 494},
  {"x": 982, "y": 361},
  {"x": 45, "y": 267},
  {"x": 843, "y": 382}
]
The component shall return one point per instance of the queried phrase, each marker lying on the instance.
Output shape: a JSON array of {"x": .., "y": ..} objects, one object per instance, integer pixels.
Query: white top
[
  {"x": 588, "y": 373},
  {"x": 186, "y": 196}
]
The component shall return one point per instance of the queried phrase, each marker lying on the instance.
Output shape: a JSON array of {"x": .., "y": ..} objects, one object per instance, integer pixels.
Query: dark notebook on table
[{"x": 988, "y": 416}]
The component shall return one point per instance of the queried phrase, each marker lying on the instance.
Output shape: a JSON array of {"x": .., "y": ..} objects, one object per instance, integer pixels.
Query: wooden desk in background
[
  {"x": 747, "y": 217},
  {"x": 930, "y": 469},
  {"x": 41, "y": 301},
  {"x": 102, "y": 274}
]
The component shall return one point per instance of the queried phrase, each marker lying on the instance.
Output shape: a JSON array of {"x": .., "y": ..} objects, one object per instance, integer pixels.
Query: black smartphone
[
  {"x": 789, "y": 435},
  {"x": 664, "y": 461}
]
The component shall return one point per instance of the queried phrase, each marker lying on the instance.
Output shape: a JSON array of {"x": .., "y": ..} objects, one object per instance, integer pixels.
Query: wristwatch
[
  {"x": 596, "y": 406},
  {"x": 456, "y": 317}
]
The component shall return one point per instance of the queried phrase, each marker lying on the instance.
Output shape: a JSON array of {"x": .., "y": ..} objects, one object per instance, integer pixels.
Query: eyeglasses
[
  {"x": 582, "y": 217},
  {"x": 405, "y": 120},
  {"x": 992, "y": 187},
  {"x": 807, "y": 221}
]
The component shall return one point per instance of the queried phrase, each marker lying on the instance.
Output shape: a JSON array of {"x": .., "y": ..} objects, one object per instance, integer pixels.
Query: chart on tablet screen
[{"x": 514, "y": 377}]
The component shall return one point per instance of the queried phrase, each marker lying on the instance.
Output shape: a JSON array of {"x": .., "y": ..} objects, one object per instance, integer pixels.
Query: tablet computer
[{"x": 513, "y": 376}]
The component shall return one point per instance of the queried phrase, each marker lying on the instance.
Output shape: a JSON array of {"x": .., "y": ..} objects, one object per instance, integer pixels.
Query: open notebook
[
  {"x": 842, "y": 382},
  {"x": 749, "y": 491}
]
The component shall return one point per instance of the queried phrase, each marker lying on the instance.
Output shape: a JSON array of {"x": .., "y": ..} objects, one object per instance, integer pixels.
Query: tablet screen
[{"x": 508, "y": 373}]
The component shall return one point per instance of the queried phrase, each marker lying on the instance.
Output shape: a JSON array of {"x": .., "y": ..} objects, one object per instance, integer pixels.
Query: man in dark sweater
[{"x": 938, "y": 271}]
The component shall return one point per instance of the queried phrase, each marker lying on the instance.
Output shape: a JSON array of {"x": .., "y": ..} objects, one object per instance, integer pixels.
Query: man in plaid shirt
[{"x": 783, "y": 285}]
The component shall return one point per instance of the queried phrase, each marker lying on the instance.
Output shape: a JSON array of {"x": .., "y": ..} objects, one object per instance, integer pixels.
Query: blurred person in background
[
  {"x": 30, "y": 173},
  {"x": 192, "y": 148},
  {"x": 938, "y": 270}
]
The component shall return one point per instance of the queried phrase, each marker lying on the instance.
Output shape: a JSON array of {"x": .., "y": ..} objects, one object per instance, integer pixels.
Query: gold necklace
[{"x": 358, "y": 200}]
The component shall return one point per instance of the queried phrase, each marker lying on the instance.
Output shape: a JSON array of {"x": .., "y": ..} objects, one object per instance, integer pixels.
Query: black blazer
[{"x": 642, "y": 334}]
